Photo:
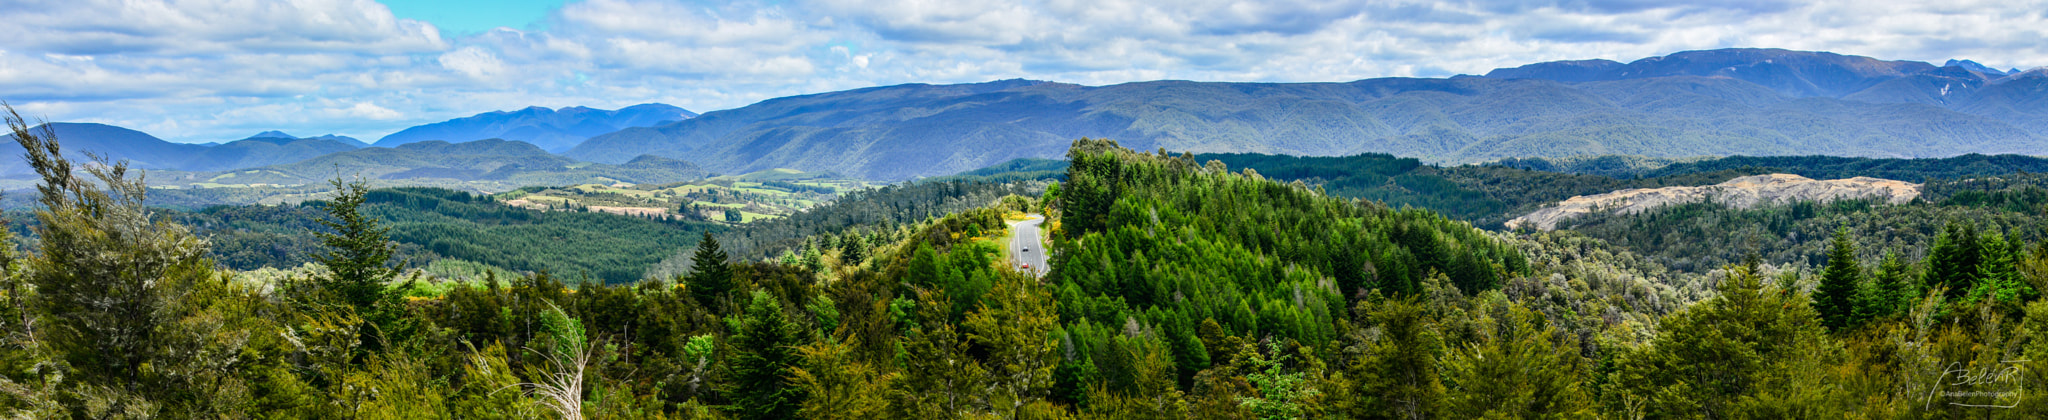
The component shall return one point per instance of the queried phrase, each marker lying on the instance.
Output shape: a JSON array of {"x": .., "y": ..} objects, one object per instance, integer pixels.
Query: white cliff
[{"x": 1744, "y": 192}]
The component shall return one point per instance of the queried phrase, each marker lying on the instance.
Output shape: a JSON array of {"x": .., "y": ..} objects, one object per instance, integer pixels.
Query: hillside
[
  {"x": 1677, "y": 106},
  {"x": 749, "y": 197},
  {"x": 1739, "y": 193},
  {"x": 1822, "y": 167},
  {"x": 145, "y": 151},
  {"x": 140, "y": 149},
  {"x": 553, "y": 130},
  {"x": 486, "y": 165}
]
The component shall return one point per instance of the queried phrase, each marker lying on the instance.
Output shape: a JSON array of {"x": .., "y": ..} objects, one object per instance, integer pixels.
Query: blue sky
[
  {"x": 211, "y": 70},
  {"x": 467, "y": 17}
]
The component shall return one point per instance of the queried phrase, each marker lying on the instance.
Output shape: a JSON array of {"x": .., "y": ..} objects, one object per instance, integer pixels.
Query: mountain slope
[
  {"x": 551, "y": 129},
  {"x": 253, "y": 152},
  {"x": 140, "y": 149},
  {"x": 510, "y": 163},
  {"x": 908, "y": 131}
]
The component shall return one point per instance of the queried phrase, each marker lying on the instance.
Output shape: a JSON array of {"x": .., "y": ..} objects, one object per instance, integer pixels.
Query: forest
[{"x": 1180, "y": 289}]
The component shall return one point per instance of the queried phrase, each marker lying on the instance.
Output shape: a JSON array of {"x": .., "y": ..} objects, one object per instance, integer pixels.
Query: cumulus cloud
[{"x": 202, "y": 70}]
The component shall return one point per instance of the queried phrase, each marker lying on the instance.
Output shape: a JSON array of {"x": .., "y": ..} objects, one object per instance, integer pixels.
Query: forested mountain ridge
[
  {"x": 553, "y": 130},
  {"x": 491, "y": 165},
  {"x": 148, "y": 152},
  {"x": 1798, "y": 104}
]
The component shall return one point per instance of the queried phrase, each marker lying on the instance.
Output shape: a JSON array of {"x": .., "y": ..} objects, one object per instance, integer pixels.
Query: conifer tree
[
  {"x": 852, "y": 250},
  {"x": 1888, "y": 290},
  {"x": 1998, "y": 276},
  {"x": 1399, "y": 371},
  {"x": 1952, "y": 262},
  {"x": 1835, "y": 298},
  {"x": 710, "y": 274},
  {"x": 359, "y": 254},
  {"x": 760, "y": 375}
]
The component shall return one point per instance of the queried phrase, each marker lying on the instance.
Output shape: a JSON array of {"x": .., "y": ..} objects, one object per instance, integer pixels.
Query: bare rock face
[{"x": 1744, "y": 192}]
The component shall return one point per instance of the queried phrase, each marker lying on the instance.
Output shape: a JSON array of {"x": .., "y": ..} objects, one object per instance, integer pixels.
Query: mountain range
[
  {"x": 1754, "y": 102},
  {"x": 504, "y": 163},
  {"x": 144, "y": 151},
  {"x": 1719, "y": 102},
  {"x": 553, "y": 130}
]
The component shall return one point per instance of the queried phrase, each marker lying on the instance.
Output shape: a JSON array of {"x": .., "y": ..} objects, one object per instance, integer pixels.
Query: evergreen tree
[
  {"x": 1998, "y": 275},
  {"x": 1835, "y": 298},
  {"x": 1952, "y": 262},
  {"x": 359, "y": 251},
  {"x": 760, "y": 374},
  {"x": 1399, "y": 372},
  {"x": 711, "y": 276},
  {"x": 1716, "y": 358},
  {"x": 852, "y": 250},
  {"x": 1521, "y": 367},
  {"x": 1888, "y": 290}
]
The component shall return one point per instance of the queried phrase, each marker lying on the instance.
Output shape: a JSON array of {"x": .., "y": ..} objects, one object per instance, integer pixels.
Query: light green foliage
[
  {"x": 1278, "y": 389},
  {"x": 1519, "y": 367}
]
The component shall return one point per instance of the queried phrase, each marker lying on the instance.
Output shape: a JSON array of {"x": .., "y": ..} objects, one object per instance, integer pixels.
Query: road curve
[{"x": 1027, "y": 250}]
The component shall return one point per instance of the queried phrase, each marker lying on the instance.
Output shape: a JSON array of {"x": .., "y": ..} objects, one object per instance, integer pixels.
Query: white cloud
[
  {"x": 372, "y": 111},
  {"x": 203, "y": 70},
  {"x": 473, "y": 62}
]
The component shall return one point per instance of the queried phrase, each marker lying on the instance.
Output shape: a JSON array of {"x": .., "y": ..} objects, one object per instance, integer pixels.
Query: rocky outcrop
[{"x": 1744, "y": 192}]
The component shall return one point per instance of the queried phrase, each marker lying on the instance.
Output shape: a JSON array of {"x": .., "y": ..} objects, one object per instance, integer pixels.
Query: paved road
[{"x": 1025, "y": 246}]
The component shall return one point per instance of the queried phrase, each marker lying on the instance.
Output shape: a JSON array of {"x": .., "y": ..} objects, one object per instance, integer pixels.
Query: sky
[{"x": 217, "y": 70}]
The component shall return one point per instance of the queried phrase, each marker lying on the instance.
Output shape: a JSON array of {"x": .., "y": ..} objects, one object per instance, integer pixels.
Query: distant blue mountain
[
  {"x": 145, "y": 151},
  {"x": 552, "y": 129},
  {"x": 279, "y": 137},
  {"x": 1973, "y": 66},
  {"x": 1756, "y": 102}
]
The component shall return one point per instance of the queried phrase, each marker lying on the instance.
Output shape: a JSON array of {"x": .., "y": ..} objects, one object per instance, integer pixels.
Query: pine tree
[
  {"x": 710, "y": 275},
  {"x": 1888, "y": 290},
  {"x": 1399, "y": 371},
  {"x": 359, "y": 254},
  {"x": 852, "y": 250},
  {"x": 759, "y": 378},
  {"x": 1952, "y": 263},
  {"x": 1998, "y": 276},
  {"x": 1835, "y": 298}
]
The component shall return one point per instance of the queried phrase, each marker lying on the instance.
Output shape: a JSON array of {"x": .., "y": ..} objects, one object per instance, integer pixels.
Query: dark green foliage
[
  {"x": 1398, "y": 375},
  {"x": 459, "y": 225},
  {"x": 1154, "y": 242},
  {"x": 763, "y": 350},
  {"x": 358, "y": 255},
  {"x": 1835, "y": 298},
  {"x": 1485, "y": 195},
  {"x": 1702, "y": 236},
  {"x": 1890, "y": 290},
  {"x": 1952, "y": 263},
  {"x": 710, "y": 275},
  {"x": 1717, "y": 358}
]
